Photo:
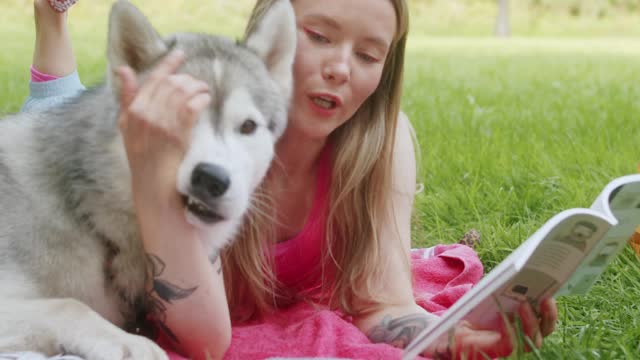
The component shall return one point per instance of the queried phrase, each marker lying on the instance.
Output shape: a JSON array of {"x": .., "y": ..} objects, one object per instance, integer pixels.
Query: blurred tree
[{"x": 502, "y": 22}]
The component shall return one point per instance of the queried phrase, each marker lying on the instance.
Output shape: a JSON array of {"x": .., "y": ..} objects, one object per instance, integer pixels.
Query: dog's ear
[
  {"x": 273, "y": 38},
  {"x": 132, "y": 41}
]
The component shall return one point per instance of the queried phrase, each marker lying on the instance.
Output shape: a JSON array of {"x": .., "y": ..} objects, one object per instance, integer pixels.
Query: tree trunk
[{"x": 502, "y": 23}]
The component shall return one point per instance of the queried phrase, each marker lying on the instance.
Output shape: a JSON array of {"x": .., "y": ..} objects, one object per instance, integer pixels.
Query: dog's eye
[{"x": 248, "y": 127}]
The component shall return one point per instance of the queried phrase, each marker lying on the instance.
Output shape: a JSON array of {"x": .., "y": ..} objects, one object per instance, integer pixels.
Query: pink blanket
[{"x": 441, "y": 276}]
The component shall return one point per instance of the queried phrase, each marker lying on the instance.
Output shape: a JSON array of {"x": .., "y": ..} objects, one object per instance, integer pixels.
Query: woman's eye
[
  {"x": 316, "y": 36},
  {"x": 367, "y": 58},
  {"x": 248, "y": 127}
]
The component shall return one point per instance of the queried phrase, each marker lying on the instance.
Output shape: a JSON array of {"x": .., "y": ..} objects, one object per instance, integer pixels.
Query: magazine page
[
  {"x": 547, "y": 269},
  {"x": 536, "y": 269},
  {"x": 623, "y": 203}
]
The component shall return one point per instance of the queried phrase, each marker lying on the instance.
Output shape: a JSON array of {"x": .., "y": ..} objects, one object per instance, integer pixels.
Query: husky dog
[{"x": 72, "y": 268}]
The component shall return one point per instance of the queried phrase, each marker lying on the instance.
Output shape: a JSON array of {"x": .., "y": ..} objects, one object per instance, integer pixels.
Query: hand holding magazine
[{"x": 564, "y": 257}]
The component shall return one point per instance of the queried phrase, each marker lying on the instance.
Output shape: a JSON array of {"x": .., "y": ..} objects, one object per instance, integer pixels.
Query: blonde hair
[{"x": 360, "y": 198}]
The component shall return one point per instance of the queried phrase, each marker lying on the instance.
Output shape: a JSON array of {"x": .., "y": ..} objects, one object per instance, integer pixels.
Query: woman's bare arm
[
  {"x": 186, "y": 290},
  {"x": 402, "y": 319}
]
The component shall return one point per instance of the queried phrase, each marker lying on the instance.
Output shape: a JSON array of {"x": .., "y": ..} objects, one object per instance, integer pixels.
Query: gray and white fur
[{"x": 72, "y": 268}]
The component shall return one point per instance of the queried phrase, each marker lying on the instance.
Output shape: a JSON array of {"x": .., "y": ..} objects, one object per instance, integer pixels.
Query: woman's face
[{"x": 341, "y": 50}]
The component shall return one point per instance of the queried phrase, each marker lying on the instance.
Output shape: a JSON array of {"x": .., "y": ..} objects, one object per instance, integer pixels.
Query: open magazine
[{"x": 564, "y": 257}]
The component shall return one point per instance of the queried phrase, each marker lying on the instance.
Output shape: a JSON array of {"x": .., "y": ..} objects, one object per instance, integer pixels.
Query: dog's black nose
[{"x": 211, "y": 179}]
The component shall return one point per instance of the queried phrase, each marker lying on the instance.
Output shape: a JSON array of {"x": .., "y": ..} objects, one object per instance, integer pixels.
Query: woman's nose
[{"x": 338, "y": 68}]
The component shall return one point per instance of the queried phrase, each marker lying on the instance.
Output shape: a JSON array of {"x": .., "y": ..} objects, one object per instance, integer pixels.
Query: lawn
[{"x": 510, "y": 132}]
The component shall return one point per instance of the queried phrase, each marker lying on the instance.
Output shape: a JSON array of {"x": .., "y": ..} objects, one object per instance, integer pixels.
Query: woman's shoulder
[
  {"x": 404, "y": 155},
  {"x": 404, "y": 149},
  {"x": 404, "y": 128}
]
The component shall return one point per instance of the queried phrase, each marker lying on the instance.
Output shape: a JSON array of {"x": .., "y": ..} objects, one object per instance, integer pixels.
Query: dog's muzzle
[{"x": 209, "y": 182}]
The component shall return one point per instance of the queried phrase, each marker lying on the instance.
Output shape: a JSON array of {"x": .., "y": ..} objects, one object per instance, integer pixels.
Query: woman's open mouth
[{"x": 324, "y": 102}]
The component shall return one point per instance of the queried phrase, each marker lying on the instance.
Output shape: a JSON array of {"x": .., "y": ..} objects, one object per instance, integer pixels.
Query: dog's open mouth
[{"x": 200, "y": 210}]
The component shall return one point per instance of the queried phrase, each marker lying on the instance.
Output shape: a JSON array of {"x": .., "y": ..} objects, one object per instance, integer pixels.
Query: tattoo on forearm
[
  {"x": 399, "y": 331},
  {"x": 164, "y": 289},
  {"x": 163, "y": 292}
]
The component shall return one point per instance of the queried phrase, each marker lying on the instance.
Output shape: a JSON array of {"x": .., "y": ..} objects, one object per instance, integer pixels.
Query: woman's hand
[
  {"x": 472, "y": 343},
  {"x": 155, "y": 121}
]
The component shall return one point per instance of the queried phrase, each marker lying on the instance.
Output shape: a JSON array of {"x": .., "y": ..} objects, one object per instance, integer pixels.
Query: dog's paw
[
  {"x": 94, "y": 338},
  {"x": 122, "y": 346}
]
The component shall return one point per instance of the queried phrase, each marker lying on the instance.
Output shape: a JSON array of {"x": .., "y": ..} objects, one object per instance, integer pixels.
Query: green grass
[
  {"x": 511, "y": 132},
  {"x": 88, "y": 28}
]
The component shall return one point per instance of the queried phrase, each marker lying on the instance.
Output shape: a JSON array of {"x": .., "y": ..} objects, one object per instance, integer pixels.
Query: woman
[
  {"x": 332, "y": 223},
  {"x": 346, "y": 103}
]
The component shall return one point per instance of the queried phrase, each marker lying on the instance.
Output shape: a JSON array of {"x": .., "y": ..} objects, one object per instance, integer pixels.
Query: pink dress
[{"x": 298, "y": 259}]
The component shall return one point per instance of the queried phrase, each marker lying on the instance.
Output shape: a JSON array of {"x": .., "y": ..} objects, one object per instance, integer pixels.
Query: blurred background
[
  {"x": 597, "y": 25},
  {"x": 563, "y": 18}
]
